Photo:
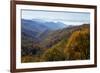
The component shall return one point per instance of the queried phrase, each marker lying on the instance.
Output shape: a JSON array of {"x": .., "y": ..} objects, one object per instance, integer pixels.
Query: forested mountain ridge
[
  {"x": 56, "y": 45},
  {"x": 74, "y": 47}
]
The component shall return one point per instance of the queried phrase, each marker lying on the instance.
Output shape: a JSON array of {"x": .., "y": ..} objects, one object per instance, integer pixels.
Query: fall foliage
[
  {"x": 67, "y": 44},
  {"x": 78, "y": 45}
]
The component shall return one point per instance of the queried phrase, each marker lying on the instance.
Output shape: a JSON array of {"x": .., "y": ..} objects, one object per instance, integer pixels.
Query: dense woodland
[{"x": 70, "y": 43}]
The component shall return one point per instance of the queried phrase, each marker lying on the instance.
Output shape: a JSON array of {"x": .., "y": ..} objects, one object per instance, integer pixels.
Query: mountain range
[
  {"x": 39, "y": 36},
  {"x": 37, "y": 27}
]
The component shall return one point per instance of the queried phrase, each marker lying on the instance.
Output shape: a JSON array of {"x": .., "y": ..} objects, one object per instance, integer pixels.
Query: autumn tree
[
  {"x": 78, "y": 46},
  {"x": 54, "y": 54}
]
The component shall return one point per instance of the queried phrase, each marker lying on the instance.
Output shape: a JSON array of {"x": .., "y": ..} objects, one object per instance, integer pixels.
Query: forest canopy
[{"x": 71, "y": 43}]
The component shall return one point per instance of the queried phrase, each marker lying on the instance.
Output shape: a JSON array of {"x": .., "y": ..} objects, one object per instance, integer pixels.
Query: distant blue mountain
[
  {"x": 37, "y": 28},
  {"x": 33, "y": 25},
  {"x": 51, "y": 24},
  {"x": 32, "y": 29}
]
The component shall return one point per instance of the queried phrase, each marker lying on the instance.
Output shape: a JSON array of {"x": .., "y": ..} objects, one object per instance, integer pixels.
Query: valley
[{"x": 53, "y": 41}]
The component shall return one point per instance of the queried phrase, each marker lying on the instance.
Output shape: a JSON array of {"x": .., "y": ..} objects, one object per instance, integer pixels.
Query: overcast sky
[{"x": 70, "y": 18}]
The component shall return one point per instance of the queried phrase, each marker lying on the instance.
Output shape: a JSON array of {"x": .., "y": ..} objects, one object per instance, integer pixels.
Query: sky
[{"x": 71, "y": 18}]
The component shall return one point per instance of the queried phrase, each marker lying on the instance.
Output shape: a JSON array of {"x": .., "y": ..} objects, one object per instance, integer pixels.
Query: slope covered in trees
[{"x": 72, "y": 43}]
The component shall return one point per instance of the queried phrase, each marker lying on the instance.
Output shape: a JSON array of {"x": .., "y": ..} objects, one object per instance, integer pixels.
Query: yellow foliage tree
[
  {"x": 78, "y": 46},
  {"x": 54, "y": 54}
]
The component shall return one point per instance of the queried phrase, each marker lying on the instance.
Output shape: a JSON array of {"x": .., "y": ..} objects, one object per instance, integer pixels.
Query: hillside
[{"x": 55, "y": 45}]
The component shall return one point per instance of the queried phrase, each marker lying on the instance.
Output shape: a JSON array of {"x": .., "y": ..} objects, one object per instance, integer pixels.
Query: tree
[
  {"x": 53, "y": 54},
  {"x": 78, "y": 46}
]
